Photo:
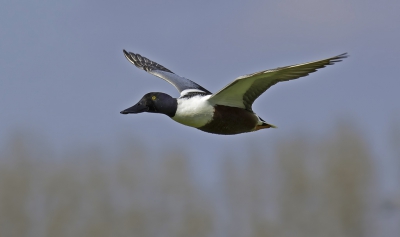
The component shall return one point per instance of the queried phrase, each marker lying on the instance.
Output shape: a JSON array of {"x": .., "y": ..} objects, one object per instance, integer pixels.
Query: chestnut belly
[{"x": 230, "y": 120}]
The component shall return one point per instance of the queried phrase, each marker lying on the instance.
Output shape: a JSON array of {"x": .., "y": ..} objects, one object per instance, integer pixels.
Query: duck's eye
[{"x": 153, "y": 97}]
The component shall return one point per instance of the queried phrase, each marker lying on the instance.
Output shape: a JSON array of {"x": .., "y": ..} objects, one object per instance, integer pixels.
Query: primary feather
[{"x": 180, "y": 83}]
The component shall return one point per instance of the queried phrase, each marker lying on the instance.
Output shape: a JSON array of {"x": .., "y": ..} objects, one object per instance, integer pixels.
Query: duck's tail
[{"x": 265, "y": 125}]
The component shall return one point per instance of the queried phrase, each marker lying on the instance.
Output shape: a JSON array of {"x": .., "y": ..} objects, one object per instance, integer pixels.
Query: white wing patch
[{"x": 185, "y": 92}]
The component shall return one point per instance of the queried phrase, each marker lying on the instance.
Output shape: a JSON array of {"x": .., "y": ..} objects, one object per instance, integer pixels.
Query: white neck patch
[{"x": 194, "y": 112}]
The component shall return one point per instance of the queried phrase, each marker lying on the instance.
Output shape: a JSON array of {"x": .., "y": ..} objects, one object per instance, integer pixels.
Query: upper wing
[
  {"x": 183, "y": 85},
  {"x": 244, "y": 90}
]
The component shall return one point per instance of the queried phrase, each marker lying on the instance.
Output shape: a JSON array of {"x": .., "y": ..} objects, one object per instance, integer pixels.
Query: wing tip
[
  {"x": 136, "y": 59},
  {"x": 339, "y": 58},
  {"x": 128, "y": 55},
  {"x": 343, "y": 55},
  {"x": 143, "y": 62}
]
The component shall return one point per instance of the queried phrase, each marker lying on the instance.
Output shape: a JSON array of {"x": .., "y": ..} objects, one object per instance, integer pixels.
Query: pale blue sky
[{"x": 64, "y": 75}]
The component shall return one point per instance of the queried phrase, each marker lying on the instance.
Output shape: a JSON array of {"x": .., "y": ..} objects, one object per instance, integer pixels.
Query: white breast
[{"x": 195, "y": 111}]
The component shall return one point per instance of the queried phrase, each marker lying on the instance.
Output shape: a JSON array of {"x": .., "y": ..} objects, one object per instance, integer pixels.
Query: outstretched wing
[
  {"x": 244, "y": 90},
  {"x": 183, "y": 85}
]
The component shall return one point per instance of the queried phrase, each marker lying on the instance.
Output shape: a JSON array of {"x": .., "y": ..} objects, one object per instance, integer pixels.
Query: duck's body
[
  {"x": 231, "y": 120},
  {"x": 226, "y": 112},
  {"x": 199, "y": 113}
]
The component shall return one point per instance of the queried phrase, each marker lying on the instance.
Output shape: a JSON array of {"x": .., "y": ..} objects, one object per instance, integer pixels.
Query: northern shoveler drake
[{"x": 226, "y": 112}]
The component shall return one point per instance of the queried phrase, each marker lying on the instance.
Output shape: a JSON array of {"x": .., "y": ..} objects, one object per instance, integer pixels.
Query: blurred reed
[{"x": 306, "y": 188}]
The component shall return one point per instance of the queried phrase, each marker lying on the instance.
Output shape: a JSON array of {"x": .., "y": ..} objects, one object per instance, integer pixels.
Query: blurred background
[{"x": 71, "y": 165}]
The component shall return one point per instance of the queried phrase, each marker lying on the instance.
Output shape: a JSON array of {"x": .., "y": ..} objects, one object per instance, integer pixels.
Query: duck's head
[{"x": 154, "y": 102}]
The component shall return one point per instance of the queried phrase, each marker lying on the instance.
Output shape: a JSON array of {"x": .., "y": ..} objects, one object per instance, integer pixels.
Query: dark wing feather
[{"x": 180, "y": 83}]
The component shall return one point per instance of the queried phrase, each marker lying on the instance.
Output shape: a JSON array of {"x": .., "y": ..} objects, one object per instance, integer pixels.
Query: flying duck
[{"x": 226, "y": 112}]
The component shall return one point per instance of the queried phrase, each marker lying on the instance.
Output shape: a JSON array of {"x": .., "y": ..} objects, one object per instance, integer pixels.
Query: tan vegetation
[{"x": 306, "y": 188}]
